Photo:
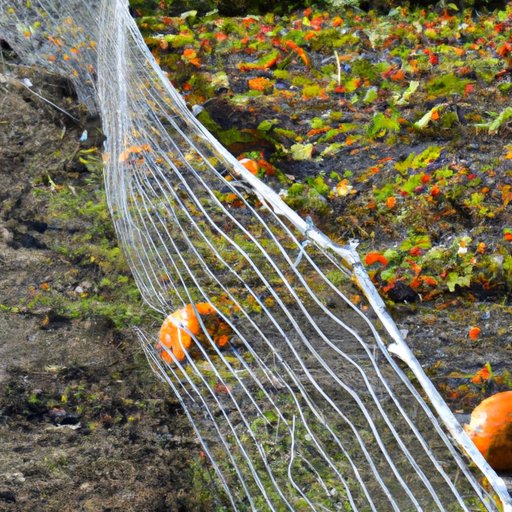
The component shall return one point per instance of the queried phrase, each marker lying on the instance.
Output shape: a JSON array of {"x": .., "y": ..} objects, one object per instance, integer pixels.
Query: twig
[
  {"x": 51, "y": 103},
  {"x": 338, "y": 66},
  {"x": 2, "y": 59},
  {"x": 15, "y": 81}
]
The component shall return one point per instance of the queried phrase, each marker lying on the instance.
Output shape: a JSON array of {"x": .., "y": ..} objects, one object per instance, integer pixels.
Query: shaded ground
[{"x": 84, "y": 423}]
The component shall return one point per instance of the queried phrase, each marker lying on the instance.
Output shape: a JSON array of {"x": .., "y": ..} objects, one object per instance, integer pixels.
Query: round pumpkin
[
  {"x": 490, "y": 428},
  {"x": 181, "y": 327}
]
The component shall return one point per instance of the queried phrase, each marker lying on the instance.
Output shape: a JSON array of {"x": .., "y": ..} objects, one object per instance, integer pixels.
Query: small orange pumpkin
[
  {"x": 179, "y": 328},
  {"x": 490, "y": 429}
]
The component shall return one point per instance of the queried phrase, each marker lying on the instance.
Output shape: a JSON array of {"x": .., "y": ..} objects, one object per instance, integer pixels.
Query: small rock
[
  {"x": 403, "y": 293},
  {"x": 16, "y": 477},
  {"x": 5, "y": 235},
  {"x": 70, "y": 419},
  {"x": 57, "y": 414},
  {"x": 7, "y": 497}
]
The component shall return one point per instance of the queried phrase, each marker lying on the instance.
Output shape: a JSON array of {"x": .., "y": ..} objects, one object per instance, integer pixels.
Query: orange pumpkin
[
  {"x": 179, "y": 328},
  {"x": 490, "y": 429}
]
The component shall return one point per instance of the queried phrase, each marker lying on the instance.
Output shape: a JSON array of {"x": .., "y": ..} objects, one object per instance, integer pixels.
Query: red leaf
[
  {"x": 474, "y": 332},
  {"x": 374, "y": 257}
]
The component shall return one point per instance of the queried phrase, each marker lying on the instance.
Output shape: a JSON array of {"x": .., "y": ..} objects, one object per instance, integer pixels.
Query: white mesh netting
[{"x": 289, "y": 381}]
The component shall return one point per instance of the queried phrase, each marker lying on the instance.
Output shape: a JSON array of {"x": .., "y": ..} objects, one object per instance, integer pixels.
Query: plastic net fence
[{"x": 276, "y": 342}]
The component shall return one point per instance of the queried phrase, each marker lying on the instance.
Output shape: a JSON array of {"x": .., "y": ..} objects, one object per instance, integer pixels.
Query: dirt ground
[{"x": 84, "y": 423}]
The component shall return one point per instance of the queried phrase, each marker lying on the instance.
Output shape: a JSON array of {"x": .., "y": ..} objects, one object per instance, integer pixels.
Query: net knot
[{"x": 309, "y": 227}]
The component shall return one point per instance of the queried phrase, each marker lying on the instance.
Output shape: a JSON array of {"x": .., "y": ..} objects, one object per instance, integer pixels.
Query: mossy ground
[{"x": 84, "y": 423}]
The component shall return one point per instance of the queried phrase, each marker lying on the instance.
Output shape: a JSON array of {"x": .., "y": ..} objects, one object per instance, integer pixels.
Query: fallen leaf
[{"x": 474, "y": 332}]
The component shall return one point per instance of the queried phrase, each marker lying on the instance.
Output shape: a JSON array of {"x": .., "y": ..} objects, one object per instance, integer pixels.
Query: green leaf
[
  {"x": 392, "y": 255},
  {"x": 179, "y": 40},
  {"x": 302, "y": 151},
  {"x": 425, "y": 120},
  {"x": 495, "y": 125},
  {"x": 332, "y": 149},
  {"x": 188, "y": 14},
  {"x": 413, "y": 161},
  {"x": 436, "y": 253},
  {"x": 388, "y": 274},
  {"x": 445, "y": 85},
  {"x": 316, "y": 123},
  {"x": 319, "y": 185},
  {"x": 383, "y": 193},
  {"x": 404, "y": 99},
  {"x": 267, "y": 125},
  {"x": 220, "y": 80},
  {"x": 412, "y": 183},
  {"x": 380, "y": 125},
  {"x": 453, "y": 279},
  {"x": 371, "y": 95}
]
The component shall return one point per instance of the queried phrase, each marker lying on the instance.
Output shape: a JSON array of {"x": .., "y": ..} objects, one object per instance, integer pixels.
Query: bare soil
[{"x": 84, "y": 423}]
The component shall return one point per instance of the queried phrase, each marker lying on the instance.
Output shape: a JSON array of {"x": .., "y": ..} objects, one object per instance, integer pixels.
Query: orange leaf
[
  {"x": 430, "y": 281},
  {"x": 474, "y": 332},
  {"x": 397, "y": 76},
  {"x": 259, "y": 84},
  {"x": 481, "y": 376},
  {"x": 316, "y": 131},
  {"x": 269, "y": 169},
  {"x": 391, "y": 202},
  {"x": 374, "y": 257},
  {"x": 504, "y": 49},
  {"x": 250, "y": 165},
  {"x": 468, "y": 89},
  {"x": 435, "y": 191},
  {"x": 297, "y": 49},
  {"x": 350, "y": 140}
]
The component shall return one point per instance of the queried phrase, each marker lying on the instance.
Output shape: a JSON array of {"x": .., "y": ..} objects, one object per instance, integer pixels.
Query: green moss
[
  {"x": 365, "y": 69},
  {"x": 281, "y": 74},
  {"x": 312, "y": 91},
  {"x": 116, "y": 296}
]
